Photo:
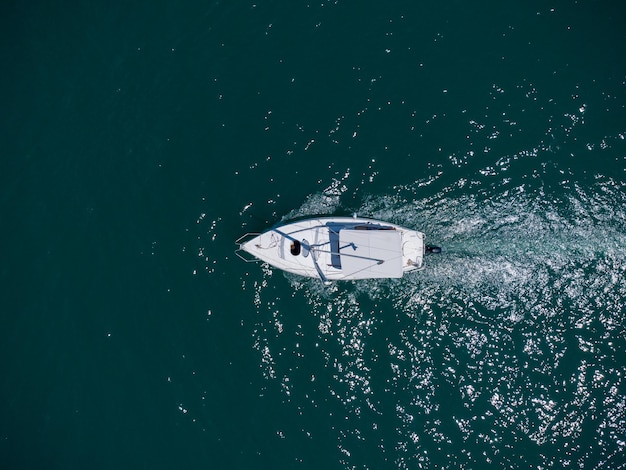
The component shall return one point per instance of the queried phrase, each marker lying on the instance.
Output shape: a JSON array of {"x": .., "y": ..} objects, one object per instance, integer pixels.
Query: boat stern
[{"x": 413, "y": 250}]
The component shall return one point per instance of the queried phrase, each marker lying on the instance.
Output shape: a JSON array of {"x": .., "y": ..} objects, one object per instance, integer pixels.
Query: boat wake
[{"x": 509, "y": 339}]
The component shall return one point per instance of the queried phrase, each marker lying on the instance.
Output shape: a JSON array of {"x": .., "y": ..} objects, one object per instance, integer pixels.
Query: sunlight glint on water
[{"x": 498, "y": 326}]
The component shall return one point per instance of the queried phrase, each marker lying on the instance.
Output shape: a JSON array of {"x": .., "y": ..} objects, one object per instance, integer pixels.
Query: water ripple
[{"x": 505, "y": 350}]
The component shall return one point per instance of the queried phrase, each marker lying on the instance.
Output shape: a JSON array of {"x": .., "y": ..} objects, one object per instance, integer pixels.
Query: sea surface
[{"x": 139, "y": 140}]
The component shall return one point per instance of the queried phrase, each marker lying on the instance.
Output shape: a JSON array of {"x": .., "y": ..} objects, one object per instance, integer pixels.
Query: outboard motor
[{"x": 431, "y": 249}]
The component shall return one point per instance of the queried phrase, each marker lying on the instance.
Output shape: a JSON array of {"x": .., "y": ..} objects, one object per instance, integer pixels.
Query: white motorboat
[{"x": 338, "y": 248}]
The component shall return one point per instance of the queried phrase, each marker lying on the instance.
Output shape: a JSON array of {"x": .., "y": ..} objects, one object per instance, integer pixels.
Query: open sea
[{"x": 139, "y": 140}]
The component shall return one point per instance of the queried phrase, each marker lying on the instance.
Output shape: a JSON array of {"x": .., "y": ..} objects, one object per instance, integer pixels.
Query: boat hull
[{"x": 338, "y": 248}]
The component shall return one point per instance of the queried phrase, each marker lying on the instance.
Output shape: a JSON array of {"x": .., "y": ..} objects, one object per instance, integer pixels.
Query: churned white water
[{"x": 510, "y": 339}]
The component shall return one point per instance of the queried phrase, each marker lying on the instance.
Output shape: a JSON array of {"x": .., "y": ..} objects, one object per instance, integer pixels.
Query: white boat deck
[{"x": 335, "y": 248}]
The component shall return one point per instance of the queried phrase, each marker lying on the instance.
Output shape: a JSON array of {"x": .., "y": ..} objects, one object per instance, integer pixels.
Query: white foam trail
[{"x": 518, "y": 326}]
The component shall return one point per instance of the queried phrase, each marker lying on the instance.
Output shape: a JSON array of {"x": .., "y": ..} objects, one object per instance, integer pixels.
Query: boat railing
[{"x": 240, "y": 252}]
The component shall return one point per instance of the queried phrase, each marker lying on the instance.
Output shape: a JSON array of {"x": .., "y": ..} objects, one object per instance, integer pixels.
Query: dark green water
[{"x": 138, "y": 142}]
